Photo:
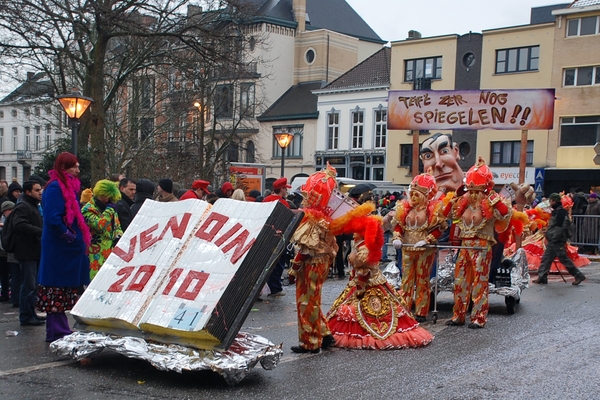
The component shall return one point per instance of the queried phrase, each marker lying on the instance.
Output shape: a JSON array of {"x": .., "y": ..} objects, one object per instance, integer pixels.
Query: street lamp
[
  {"x": 75, "y": 104},
  {"x": 284, "y": 139}
]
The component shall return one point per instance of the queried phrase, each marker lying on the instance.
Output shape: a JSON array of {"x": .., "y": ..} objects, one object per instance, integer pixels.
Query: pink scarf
[{"x": 72, "y": 209}]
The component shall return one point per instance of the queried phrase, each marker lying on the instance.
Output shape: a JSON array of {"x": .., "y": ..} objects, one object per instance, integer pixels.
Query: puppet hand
[
  {"x": 524, "y": 193},
  {"x": 421, "y": 243},
  {"x": 397, "y": 244}
]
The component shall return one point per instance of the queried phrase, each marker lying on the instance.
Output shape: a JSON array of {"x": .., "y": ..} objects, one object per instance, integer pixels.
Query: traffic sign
[{"x": 597, "y": 151}]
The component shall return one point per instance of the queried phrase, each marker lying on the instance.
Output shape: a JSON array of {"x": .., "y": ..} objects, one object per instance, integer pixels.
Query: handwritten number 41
[{"x": 136, "y": 279}]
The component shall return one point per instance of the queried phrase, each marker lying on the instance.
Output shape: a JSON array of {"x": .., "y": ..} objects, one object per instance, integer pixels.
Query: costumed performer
[
  {"x": 316, "y": 248},
  {"x": 420, "y": 221},
  {"x": 64, "y": 264},
  {"x": 369, "y": 314},
  {"x": 479, "y": 212}
]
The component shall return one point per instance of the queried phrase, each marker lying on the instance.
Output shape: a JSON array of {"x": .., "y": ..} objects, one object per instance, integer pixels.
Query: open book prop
[{"x": 187, "y": 272}]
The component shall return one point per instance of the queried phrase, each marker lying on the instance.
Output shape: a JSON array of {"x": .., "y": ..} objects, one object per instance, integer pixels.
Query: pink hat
[
  {"x": 280, "y": 184},
  {"x": 200, "y": 184}
]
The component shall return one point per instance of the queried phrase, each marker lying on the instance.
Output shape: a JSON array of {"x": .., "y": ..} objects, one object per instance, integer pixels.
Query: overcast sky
[{"x": 392, "y": 19}]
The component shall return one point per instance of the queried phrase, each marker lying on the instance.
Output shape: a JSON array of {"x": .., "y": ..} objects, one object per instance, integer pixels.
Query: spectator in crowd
[
  {"x": 280, "y": 188},
  {"x": 225, "y": 191},
  {"x": 212, "y": 198},
  {"x": 198, "y": 191},
  {"x": 101, "y": 217},
  {"x": 64, "y": 265},
  {"x": 14, "y": 192},
  {"x": 3, "y": 191},
  {"x": 165, "y": 191},
  {"x": 11, "y": 262},
  {"x": 592, "y": 224},
  {"x": 27, "y": 227},
  {"x": 6, "y": 209},
  {"x": 253, "y": 195},
  {"x": 144, "y": 189},
  {"x": 117, "y": 178},
  {"x": 238, "y": 194},
  {"x": 127, "y": 189}
]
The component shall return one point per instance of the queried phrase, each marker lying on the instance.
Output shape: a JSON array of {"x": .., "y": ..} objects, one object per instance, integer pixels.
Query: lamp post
[
  {"x": 75, "y": 104},
  {"x": 283, "y": 140}
]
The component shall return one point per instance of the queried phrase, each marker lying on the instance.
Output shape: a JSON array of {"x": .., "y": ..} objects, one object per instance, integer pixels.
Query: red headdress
[
  {"x": 369, "y": 227},
  {"x": 318, "y": 188},
  {"x": 479, "y": 177},
  {"x": 424, "y": 183}
]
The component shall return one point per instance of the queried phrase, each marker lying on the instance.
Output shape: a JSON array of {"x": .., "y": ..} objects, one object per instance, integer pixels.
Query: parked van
[{"x": 346, "y": 184}]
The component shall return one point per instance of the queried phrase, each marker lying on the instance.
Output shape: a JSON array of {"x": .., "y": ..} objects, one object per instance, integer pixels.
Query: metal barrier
[{"x": 586, "y": 230}]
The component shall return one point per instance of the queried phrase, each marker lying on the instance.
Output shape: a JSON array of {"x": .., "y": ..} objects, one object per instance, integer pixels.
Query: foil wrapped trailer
[
  {"x": 233, "y": 365},
  {"x": 509, "y": 280}
]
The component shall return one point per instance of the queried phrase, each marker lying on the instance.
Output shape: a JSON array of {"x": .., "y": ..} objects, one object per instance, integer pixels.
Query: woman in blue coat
[{"x": 64, "y": 265}]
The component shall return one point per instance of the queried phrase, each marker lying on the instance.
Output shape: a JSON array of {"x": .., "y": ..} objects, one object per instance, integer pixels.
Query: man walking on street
[
  {"x": 27, "y": 226},
  {"x": 557, "y": 235},
  {"x": 127, "y": 189}
]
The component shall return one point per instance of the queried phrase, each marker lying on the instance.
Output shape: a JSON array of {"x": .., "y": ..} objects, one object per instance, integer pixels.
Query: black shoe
[
  {"x": 41, "y": 317},
  {"x": 328, "y": 341},
  {"x": 33, "y": 321},
  {"x": 259, "y": 299},
  {"x": 541, "y": 281},
  {"x": 278, "y": 294},
  {"x": 473, "y": 325},
  {"x": 452, "y": 322},
  {"x": 578, "y": 280},
  {"x": 302, "y": 350},
  {"x": 419, "y": 318}
]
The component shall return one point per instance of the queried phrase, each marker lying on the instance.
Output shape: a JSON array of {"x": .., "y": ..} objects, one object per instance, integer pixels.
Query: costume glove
[
  {"x": 69, "y": 236},
  {"x": 397, "y": 243},
  {"x": 421, "y": 243}
]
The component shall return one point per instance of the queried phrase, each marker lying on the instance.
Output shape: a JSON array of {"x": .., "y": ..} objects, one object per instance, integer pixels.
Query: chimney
[
  {"x": 30, "y": 75},
  {"x": 299, "y": 9},
  {"x": 414, "y": 34}
]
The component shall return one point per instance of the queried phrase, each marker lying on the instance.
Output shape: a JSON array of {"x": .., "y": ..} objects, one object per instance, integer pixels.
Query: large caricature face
[
  {"x": 441, "y": 154},
  {"x": 416, "y": 198}
]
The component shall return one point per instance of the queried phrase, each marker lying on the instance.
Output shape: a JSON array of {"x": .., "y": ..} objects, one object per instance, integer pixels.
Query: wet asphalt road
[{"x": 549, "y": 349}]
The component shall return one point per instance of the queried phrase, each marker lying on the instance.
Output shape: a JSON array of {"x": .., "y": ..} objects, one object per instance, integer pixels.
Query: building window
[
  {"x": 310, "y": 56},
  {"x": 250, "y": 152},
  {"x": 358, "y": 125},
  {"x": 27, "y": 137},
  {"x": 247, "y": 99},
  {"x": 146, "y": 128},
  {"x": 14, "y": 172},
  {"x": 380, "y": 128},
  {"x": 224, "y": 101},
  {"x": 582, "y": 76},
  {"x": 333, "y": 130},
  {"x": 15, "y": 139},
  {"x": 294, "y": 149},
  {"x": 406, "y": 155},
  {"x": 48, "y": 136},
  {"x": 582, "y": 26},
  {"x": 38, "y": 137},
  {"x": 509, "y": 153},
  {"x": 580, "y": 131},
  {"x": 232, "y": 152},
  {"x": 143, "y": 92},
  {"x": 1, "y": 140},
  {"x": 423, "y": 68},
  {"x": 518, "y": 59},
  {"x": 3, "y": 173}
]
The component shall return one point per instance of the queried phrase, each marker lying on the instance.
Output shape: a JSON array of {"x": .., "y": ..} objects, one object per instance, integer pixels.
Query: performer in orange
[
  {"x": 368, "y": 314},
  {"x": 479, "y": 212},
  {"x": 316, "y": 249},
  {"x": 420, "y": 221}
]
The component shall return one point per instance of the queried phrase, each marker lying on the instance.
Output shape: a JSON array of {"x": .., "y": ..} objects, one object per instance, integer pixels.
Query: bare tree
[{"x": 103, "y": 46}]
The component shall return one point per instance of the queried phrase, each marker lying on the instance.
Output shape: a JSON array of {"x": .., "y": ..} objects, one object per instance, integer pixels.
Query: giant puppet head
[
  {"x": 479, "y": 178},
  {"x": 422, "y": 189},
  {"x": 318, "y": 188}
]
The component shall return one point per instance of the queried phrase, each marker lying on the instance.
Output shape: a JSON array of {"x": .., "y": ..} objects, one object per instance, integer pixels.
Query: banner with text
[
  {"x": 185, "y": 272},
  {"x": 471, "y": 109}
]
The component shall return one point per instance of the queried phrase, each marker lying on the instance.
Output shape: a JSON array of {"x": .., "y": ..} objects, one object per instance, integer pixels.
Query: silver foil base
[{"x": 246, "y": 351}]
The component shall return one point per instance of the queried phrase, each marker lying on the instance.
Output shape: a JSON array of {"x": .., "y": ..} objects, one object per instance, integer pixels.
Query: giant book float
[{"x": 187, "y": 272}]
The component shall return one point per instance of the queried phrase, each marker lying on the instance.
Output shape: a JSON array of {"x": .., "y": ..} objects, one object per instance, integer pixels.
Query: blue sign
[{"x": 540, "y": 173}]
